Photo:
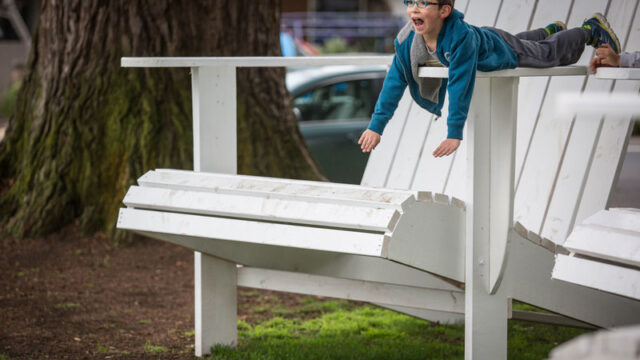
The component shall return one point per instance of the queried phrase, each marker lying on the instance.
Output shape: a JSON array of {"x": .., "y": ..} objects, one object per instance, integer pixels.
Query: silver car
[{"x": 334, "y": 105}]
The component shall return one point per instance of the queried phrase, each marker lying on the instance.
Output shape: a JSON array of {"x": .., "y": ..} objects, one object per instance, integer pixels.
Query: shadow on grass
[{"x": 369, "y": 332}]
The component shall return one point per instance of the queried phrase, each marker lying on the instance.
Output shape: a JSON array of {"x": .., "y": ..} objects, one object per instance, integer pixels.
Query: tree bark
[{"x": 85, "y": 128}]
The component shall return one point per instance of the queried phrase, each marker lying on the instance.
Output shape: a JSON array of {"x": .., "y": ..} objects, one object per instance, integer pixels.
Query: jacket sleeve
[
  {"x": 463, "y": 64},
  {"x": 630, "y": 59},
  {"x": 392, "y": 90}
]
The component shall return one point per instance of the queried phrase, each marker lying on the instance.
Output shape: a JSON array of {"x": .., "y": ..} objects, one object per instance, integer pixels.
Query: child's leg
[
  {"x": 533, "y": 35},
  {"x": 559, "y": 49},
  {"x": 542, "y": 33}
]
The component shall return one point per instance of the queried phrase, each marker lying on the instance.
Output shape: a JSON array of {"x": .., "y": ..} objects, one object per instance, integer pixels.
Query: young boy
[{"x": 437, "y": 34}]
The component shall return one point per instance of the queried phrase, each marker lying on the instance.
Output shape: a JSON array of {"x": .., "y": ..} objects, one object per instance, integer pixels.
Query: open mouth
[{"x": 418, "y": 22}]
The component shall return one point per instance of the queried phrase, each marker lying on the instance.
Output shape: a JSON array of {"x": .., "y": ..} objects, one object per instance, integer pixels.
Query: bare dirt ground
[{"x": 71, "y": 297}]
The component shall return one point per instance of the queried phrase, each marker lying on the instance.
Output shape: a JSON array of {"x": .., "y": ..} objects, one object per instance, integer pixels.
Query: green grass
[
  {"x": 368, "y": 332},
  {"x": 154, "y": 349}
]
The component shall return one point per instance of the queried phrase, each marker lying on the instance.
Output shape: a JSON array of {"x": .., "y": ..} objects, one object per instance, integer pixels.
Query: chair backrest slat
[{"x": 418, "y": 124}]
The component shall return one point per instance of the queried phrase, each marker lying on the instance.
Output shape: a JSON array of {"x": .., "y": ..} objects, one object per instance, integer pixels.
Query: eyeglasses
[{"x": 421, "y": 3}]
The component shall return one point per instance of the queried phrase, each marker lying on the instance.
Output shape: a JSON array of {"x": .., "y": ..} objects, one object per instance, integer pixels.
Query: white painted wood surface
[
  {"x": 606, "y": 243},
  {"x": 533, "y": 90},
  {"x": 216, "y": 303},
  {"x": 285, "y": 189},
  {"x": 214, "y": 128},
  {"x": 382, "y": 158},
  {"x": 409, "y": 149},
  {"x": 616, "y": 344},
  {"x": 618, "y": 73},
  {"x": 358, "y": 290},
  {"x": 428, "y": 235},
  {"x": 598, "y": 275},
  {"x": 355, "y": 267},
  {"x": 527, "y": 279},
  {"x": 431, "y": 172},
  {"x": 253, "y": 61},
  {"x": 549, "y": 142},
  {"x": 613, "y": 236},
  {"x": 612, "y": 141},
  {"x": 502, "y": 154},
  {"x": 577, "y": 70},
  {"x": 214, "y": 132},
  {"x": 618, "y": 218},
  {"x": 321, "y": 239},
  {"x": 581, "y": 145},
  {"x": 598, "y": 104},
  {"x": 263, "y": 208}
]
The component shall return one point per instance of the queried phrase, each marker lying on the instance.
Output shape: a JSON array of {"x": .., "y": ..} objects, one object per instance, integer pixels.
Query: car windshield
[{"x": 343, "y": 100}]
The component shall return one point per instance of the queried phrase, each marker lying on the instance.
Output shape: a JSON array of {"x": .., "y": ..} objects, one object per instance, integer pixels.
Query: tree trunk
[{"x": 85, "y": 128}]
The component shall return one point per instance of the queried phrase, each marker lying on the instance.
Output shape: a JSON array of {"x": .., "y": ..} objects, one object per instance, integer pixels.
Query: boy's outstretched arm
[
  {"x": 462, "y": 76},
  {"x": 393, "y": 88}
]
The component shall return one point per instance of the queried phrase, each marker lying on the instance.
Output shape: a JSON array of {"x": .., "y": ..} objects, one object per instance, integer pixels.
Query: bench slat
[
  {"x": 605, "y": 243},
  {"x": 281, "y": 188},
  {"x": 262, "y": 233},
  {"x": 258, "y": 208},
  {"x": 597, "y": 275},
  {"x": 625, "y": 220}
]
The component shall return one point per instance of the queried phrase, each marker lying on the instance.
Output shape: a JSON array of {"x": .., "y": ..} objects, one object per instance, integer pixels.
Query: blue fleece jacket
[{"x": 464, "y": 49}]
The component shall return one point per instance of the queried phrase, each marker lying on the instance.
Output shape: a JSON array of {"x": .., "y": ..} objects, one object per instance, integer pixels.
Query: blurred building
[
  {"x": 337, "y": 5},
  {"x": 341, "y": 26}
]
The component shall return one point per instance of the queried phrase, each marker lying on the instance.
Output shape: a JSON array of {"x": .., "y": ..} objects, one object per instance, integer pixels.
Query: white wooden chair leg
[
  {"x": 214, "y": 150},
  {"x": 485, "y": 327},
  {"x": 490, "y": 156},
  {"x": 216, "y": 308}
]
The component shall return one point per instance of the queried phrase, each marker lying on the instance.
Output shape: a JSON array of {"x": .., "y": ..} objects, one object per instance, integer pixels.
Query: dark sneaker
[
  {"x": 601, "y": 32},
  {"x": 555, "y": 27}
]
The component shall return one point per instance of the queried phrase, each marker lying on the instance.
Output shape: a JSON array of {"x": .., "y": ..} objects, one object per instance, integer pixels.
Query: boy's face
[{"x": 428, "y": 20}]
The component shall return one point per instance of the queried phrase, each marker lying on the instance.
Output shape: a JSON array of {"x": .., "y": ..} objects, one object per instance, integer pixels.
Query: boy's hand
[
  {"x": 605, "y": 56},
  {"x": 369, "y": 140},
  {"x": 447, "y": 148}
]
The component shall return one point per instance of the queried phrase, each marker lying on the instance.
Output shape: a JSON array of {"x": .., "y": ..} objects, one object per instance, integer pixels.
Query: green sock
[
  {"x": 554, "y": 28},
  {"x": 588, "y": 30}
]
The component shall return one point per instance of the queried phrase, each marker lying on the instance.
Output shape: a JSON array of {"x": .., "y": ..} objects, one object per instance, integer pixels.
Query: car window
[{"x": 344, "y": 100}]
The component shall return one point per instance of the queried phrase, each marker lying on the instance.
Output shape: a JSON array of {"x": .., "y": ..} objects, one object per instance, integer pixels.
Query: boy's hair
[{"x": 447, "y": 2}]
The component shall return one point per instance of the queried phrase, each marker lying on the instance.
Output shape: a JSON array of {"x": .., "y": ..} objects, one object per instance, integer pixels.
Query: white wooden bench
[{"x": 501, "y": 260}]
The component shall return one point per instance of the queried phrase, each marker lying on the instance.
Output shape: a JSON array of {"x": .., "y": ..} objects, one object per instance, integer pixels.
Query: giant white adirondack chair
[
  {"x": 605, "y": 247},
  {"x": 407, "y": 249}
]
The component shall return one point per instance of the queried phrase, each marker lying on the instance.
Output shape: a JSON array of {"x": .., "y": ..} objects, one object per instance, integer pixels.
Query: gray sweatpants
[{"x": 537, "y": 49}]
